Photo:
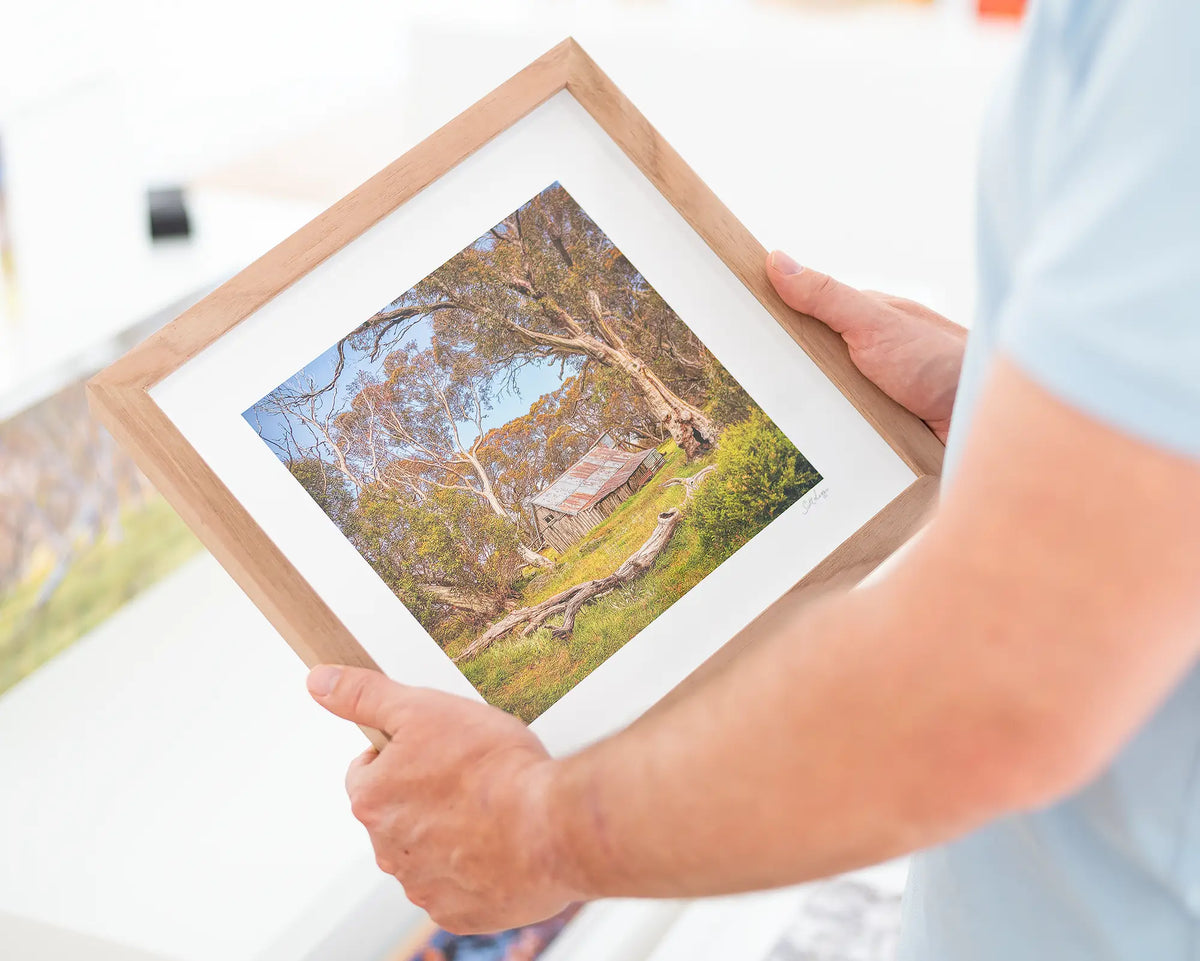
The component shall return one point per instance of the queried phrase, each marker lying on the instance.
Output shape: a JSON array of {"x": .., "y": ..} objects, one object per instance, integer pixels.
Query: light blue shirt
[{"x": 1090, "y": 281}]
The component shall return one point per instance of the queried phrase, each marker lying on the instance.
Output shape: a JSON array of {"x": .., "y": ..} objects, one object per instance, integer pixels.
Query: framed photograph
[
  {"x": 521, "y": 418},
  {"x": 82, "y": 531}
]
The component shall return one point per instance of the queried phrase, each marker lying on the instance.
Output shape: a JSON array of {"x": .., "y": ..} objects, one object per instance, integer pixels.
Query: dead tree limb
[
  {"x": 465, "y": 599},
  {"x": 570, "y": 602},
  {"x": 690, "y": 483}
]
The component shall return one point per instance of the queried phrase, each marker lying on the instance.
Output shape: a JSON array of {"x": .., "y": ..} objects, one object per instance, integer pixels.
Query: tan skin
[{"x": 871, "y": 724}]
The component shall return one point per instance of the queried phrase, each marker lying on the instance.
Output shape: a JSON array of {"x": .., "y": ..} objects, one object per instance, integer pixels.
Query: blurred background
[{"x": 166, "y": 789}]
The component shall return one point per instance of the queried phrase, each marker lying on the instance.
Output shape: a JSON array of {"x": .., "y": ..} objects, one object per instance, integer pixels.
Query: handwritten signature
[{"x": 811, "y": 500}]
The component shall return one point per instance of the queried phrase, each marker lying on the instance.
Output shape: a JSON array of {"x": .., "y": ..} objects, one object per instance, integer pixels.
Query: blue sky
[{"x": 531, "y": 382}]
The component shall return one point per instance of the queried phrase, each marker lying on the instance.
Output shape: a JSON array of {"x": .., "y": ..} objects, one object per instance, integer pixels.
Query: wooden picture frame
[{"x": 121, "y": 394}]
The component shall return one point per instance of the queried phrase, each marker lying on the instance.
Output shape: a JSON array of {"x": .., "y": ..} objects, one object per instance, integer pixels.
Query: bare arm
[
  {"x": 1048, "y": 608},
  {"x": 903, "y": 714}
]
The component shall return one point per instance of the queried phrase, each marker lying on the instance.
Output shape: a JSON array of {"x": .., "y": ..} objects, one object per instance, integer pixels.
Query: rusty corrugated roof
[{"x": 590, "y": 479}]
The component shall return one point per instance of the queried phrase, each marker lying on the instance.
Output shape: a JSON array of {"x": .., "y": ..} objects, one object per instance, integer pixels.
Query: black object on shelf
[{"x": 168, "y": 213}]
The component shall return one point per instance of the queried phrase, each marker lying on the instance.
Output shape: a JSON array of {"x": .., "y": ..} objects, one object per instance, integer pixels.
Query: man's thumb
[
  {"x": 364, "y": 696},
  {"x": 835, "y": 304}
]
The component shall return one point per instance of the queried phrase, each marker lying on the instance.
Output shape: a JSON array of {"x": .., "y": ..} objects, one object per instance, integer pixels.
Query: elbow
[
  {"x": 1008, "y": 768},
  {"x": 1060, "y": 762},
  {"x": 1048, "y": 772}
]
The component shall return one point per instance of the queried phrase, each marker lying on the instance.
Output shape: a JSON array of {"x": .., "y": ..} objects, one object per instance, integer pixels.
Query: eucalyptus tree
[
  {"x": 419, "y": 425},
  {"x": 546, "y": 285}
]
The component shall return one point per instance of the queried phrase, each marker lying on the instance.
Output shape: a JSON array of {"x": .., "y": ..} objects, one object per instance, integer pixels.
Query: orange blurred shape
[{"x": 1001, "y": 8}]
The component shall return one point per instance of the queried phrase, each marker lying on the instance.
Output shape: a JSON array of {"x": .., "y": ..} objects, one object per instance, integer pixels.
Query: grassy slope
[
  {"x": 102, "y": 578},
  {"x": 527, "y": 675}
]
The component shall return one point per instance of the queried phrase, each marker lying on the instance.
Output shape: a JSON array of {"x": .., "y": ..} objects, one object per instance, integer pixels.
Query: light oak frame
[{"x": 120, "y": 394}]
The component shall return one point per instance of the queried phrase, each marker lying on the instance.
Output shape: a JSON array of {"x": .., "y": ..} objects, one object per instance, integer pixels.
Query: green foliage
[
  {"x": 727, "y": 402},
  {"x": 529, "y": 452},
  {"x": 525, "y": 675},
  {"x": 604, "y": 548},
  {"x": 325, "y": 486},
  {"x": 449, "y": 539},
  {"x": 759, "y": 474},
  {"x": 438, "y": 505}
]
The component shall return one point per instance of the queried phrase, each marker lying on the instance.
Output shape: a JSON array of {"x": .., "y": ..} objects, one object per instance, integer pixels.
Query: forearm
[
  {"x": 1000, "y": 664},
  {"x": 849, "y": 736},
  {"x": 996, "y": 667}
]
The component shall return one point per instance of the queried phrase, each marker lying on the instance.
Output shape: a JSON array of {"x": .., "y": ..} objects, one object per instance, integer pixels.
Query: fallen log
[{"x": 568, "y": 603}]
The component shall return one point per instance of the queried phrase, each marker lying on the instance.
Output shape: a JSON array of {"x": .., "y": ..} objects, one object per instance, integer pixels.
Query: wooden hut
[{"x": 589, "y": 490}]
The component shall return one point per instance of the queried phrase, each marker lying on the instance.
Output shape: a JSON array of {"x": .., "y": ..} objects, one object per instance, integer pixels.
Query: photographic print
[{"x": 534, "y": 452}]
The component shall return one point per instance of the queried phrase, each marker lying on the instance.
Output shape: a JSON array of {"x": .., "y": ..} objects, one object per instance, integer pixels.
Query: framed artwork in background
[
  {"x": 521, "y": 418},
  {"x": 82, "y": 531}
]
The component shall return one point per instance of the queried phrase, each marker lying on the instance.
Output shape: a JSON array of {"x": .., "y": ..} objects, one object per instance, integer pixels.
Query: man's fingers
[
  {"x": 837, "y": 305},
  {"x": 359, "y": 768},
  {"x": 367, "y": 757},
  {"x": 357, "y": 694}
]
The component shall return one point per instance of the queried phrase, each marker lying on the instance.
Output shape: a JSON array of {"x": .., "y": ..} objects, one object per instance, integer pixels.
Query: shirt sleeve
[{"x": 1104, "y": 306}]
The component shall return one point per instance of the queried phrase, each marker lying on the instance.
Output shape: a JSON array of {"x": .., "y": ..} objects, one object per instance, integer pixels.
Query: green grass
[
  {"x": 103, "y": 577},
  {"x": 525, "y": 675}
]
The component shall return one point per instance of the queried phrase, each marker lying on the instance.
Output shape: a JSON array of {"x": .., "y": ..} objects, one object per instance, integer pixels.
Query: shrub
[
  {"x": 759, "y": 474},
  {"x": 728, "y": 403}
]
